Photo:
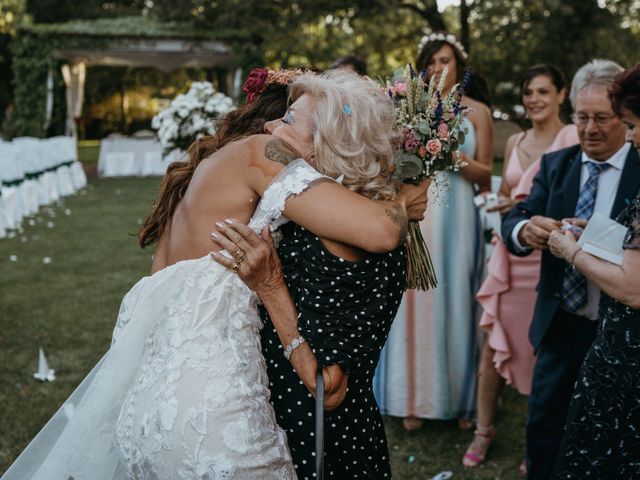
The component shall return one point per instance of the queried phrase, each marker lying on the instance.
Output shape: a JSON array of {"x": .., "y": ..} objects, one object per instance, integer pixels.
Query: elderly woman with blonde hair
[{"x": 345, "y": 298}]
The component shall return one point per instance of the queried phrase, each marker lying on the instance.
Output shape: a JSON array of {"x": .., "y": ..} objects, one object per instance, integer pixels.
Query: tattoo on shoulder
[
  {"x": 398, "y": 216},
  {"x": 278, "y": 150}
]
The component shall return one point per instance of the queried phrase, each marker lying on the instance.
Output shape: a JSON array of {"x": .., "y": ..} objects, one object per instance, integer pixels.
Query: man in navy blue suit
[{"x": 600, "y": 175}]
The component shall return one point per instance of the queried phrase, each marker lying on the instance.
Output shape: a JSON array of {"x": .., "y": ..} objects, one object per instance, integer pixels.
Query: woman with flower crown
[
  {"x": 182, "y": 392},
  {"x": 427, "y": 369}
]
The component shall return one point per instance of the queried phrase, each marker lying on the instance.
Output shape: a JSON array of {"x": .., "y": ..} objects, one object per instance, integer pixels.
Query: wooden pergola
[{"x": 136, "y": 42}]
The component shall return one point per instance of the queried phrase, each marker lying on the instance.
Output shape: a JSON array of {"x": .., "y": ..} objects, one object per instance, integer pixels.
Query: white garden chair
[
  {"x": 11, "y": 181},
  {"x": 31, "y": 157},
  {"x": 60, "y": 161}
]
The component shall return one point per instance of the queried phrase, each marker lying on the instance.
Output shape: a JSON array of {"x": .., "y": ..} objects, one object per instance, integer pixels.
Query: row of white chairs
[{"x": 35, "y": 172}]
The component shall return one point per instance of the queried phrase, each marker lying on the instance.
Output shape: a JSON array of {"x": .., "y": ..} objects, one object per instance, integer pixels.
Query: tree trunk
[
  {"x": 429, "y": 12},
  {"x": 464, "y": 25}
]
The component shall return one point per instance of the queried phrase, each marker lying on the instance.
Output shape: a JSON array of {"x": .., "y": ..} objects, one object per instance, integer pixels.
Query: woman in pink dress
[{"x": 507, "y": 296}]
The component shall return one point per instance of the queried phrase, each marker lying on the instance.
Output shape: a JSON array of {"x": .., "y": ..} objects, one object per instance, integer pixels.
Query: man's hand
[
  {"x": 535, "y": 234},
  {"x": 504, "y": 205},
  {"x": 414, "y": 199}
]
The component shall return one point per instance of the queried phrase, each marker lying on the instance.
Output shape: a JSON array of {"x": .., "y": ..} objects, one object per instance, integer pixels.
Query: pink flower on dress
[
  {"x": 434, "y": 147},
  {"x": 443, "y": 131}
]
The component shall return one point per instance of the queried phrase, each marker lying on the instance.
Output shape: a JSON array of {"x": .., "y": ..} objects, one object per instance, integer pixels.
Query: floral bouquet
[
  {"x": 190, "y": 116},
  {"x": 431, "y": 133}
]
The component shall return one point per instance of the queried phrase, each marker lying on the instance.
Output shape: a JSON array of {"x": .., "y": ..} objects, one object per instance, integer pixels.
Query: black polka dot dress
[{"x": 345, "y": 312}]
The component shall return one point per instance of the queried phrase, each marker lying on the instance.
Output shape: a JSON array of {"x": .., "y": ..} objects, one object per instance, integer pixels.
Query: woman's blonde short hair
[{"x": 353, "y": 131}]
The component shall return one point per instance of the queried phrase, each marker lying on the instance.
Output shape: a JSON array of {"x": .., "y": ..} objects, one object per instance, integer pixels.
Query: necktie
[{"x": 574, "y": 289}]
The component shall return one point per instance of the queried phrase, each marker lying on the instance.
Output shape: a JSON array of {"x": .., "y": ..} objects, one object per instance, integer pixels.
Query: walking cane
[{"x": 319, "y": 426}]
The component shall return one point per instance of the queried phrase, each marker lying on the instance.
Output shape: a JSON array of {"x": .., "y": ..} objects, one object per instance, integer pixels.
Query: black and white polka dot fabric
[{"x": 345, "y": 313}]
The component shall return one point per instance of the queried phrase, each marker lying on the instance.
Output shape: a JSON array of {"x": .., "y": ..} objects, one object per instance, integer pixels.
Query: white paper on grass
[
  {"x": 603, "y": 238},
  {"x": 44, "y": 373}
]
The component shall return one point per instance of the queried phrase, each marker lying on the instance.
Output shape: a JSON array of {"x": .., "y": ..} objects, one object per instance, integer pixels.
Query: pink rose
[
  {"x": 443, "y": 131},
  {"x": 401, "y": 87},
  {"x": 422, "y": 152},
  {"x": 434, "y": 147}
]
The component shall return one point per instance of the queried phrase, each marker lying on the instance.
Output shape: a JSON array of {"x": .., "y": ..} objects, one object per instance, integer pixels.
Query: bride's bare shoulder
[
  {"x": 271, "y": 149},
  {"x": 267, "y": 155}
]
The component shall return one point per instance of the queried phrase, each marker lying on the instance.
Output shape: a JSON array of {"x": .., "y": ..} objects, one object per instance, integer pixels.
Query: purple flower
[{"x": 409, "y": 141}]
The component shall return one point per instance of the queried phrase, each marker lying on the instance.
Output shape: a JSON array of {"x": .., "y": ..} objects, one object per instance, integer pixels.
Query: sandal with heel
[{"x": 484, "y": 436}]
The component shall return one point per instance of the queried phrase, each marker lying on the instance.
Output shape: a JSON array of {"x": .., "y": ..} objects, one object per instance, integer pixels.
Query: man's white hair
[{"x": 597, "y": 72}]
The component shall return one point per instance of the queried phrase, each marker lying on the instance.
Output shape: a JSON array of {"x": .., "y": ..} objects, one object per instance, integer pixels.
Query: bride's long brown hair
[{"x": 246, "y": 120}]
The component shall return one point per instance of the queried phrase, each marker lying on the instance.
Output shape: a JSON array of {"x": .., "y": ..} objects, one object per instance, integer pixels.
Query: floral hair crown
[
  {"x": 442, "y": 37},
  {"x": 260, "y": 78}
]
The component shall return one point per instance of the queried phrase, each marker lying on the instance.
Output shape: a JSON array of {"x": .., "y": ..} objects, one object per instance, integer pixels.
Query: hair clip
[{"x": 347, "y": 109}]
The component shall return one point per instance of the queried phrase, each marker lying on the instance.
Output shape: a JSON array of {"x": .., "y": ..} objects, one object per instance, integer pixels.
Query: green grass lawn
[{"x": 68, "y": 305}]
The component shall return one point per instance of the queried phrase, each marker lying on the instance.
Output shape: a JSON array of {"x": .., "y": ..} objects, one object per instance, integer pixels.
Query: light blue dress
[{"x": 428, "y": 366}]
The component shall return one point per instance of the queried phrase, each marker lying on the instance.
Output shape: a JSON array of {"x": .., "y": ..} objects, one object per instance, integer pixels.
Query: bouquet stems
[{"x": 420, "y": 272}]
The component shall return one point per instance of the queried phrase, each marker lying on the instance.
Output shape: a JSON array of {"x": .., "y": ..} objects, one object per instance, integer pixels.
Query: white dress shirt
[{"x": 608, "y": 182}]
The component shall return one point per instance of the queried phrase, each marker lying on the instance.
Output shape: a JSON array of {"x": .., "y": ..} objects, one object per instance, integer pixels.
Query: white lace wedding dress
[{"x": 182, "y": 392}]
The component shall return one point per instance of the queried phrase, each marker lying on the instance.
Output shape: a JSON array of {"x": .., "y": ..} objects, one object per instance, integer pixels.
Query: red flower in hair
[{"x": 255, "y": 83}]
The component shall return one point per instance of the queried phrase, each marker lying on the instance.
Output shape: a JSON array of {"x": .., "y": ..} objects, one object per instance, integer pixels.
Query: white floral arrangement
[
  {"x": 443, "y": 37},
  {"x": 191, "y": 116}
]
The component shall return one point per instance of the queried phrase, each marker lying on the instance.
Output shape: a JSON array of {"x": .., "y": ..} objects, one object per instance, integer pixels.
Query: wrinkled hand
[
  {"x": 260, "y": 266},
  {"x": 535, "y": 234},
  {"x": 335, "y": 386},
  {"x": 414, "y": 198},
  {"x": 563, "y": 245},
  {"x": 504, "y": 205}
]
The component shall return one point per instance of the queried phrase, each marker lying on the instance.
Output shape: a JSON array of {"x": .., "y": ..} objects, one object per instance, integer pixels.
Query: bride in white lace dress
[{"x": 182, "y": 392}]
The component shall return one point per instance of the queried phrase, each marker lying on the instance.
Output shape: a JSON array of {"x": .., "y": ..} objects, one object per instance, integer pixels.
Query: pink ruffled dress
[{"x": 507, "y": 296}]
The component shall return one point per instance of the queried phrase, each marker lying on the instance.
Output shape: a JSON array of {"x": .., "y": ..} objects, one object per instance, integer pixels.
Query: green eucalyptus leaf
[{"x": 409, "y": 165}]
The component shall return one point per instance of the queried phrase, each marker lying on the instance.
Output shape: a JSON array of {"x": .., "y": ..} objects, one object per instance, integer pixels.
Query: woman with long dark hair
[{"x": 182, "y": 392}]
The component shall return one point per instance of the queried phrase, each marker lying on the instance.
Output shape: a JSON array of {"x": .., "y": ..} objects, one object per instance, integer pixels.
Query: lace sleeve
[
  {"x": 632, "y": 240},
  {"x": 294, "y": 179}
]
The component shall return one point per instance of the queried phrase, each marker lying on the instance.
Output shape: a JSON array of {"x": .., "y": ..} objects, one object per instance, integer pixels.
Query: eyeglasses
[{"x": 600, "y": 120}]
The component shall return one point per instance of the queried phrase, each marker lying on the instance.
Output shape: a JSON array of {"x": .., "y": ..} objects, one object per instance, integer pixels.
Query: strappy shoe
[
  {"x": 483, "y": 436},
  {"x": 522, "y": 469}
]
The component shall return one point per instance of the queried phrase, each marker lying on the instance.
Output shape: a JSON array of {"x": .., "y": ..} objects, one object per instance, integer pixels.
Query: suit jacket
[{"x": 554, "y": 194}]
